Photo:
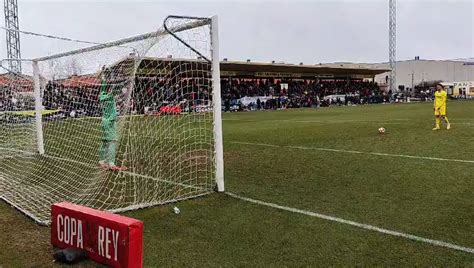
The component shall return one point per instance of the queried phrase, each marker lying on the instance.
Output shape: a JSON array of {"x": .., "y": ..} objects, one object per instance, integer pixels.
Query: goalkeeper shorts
[{"x": 109, "y": 130}]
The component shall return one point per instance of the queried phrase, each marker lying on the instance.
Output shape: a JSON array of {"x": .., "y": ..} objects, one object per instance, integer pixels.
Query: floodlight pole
[
  {"x": 392, "y": 44},
  {"x": 13, "y": 35},
  {"x": 216, "y": 99},
  {"x": 38, "y": 108}
]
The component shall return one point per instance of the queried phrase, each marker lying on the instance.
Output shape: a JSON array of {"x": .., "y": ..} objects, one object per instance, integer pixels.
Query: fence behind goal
[{"x": 114, "y": 126}]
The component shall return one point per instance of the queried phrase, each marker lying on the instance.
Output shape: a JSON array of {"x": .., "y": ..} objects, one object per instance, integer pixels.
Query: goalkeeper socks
[
  {"x": 111, "y": 152},
  {"x": 103, "y": 151}
]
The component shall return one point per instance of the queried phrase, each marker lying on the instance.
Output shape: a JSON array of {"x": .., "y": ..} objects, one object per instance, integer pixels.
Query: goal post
[
  {"x": 116, "y": 126},
  {"x": 216, "y": 77},
  {"x": 38, "y": 108}
]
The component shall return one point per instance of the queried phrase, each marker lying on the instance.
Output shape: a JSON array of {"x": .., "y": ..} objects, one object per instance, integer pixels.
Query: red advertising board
[{"x": 108, "y": 238}]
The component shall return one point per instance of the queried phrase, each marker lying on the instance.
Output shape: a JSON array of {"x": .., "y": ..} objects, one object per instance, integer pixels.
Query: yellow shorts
[{"x": 441, "y": 111}]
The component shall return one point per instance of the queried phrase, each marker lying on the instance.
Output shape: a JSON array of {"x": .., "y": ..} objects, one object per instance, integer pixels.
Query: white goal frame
[{"x": 216, "y": 87}]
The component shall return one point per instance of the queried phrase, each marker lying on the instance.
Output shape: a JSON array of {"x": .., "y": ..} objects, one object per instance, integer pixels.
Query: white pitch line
[
  {"x": 357, "y": 224},
  {"x": 357, "y": 152},
  {"x": 336, "y": 121},
  {"x": 126, "y": 172}
]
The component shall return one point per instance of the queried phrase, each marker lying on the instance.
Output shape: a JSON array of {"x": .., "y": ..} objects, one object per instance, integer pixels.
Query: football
[{"x": 381, "y": 130}]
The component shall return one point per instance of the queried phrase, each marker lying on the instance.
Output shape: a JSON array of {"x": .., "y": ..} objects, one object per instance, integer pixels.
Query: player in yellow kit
[{"x": 440, "y": 107}]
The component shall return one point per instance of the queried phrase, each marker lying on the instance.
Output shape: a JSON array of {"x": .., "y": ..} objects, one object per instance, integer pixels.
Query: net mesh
[{"x": 125, "y": 126}]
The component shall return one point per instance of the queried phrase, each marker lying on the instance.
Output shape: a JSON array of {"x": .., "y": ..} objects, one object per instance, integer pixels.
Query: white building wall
[
  {"x": 422, "y": 70},
  {"x": 428, "y": 70}
]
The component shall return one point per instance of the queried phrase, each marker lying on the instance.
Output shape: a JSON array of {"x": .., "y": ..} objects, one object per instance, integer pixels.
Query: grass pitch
[{"x": 331, "y": 161}]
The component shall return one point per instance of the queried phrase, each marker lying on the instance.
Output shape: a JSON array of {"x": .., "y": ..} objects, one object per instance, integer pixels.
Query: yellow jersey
[{"x": 440, "y": 99}]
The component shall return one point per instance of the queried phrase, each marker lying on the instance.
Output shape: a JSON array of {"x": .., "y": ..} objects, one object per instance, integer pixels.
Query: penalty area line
[
  {"x": 326, "y": 121},
  {"x": 356, "y": 152},
  {"x": 369, "y": 227}
]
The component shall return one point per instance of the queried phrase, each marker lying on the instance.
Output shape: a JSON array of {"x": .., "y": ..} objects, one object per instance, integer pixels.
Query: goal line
[{"x": 129, "y": 173}]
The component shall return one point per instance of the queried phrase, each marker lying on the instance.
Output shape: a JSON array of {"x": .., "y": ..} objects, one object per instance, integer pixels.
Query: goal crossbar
[{"x": 179, "y": 28}]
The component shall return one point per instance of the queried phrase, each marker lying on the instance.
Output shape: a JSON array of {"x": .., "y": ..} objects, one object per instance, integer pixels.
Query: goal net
[{"x": 114, "y": 126}]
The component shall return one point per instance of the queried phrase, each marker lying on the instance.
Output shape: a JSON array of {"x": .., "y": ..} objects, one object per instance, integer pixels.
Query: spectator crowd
[
  {"x": 150, "y": 94},
  {"x": 276, "y": 94}
]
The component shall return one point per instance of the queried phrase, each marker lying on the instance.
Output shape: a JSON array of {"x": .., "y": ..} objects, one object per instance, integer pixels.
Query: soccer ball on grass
[{"x": 381, "y": 130}]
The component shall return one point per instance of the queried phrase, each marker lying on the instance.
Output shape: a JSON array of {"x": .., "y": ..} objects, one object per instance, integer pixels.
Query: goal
[{"x": 114, "y": 126}]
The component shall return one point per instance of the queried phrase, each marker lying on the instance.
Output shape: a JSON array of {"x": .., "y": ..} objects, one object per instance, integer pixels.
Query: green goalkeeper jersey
[
  {"x": 109, "y": 114},
  {"x": 107, "y": 101}
]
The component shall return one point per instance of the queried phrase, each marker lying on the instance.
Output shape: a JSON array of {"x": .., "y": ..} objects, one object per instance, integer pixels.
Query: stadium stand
[{"x": 244, "y": 86}]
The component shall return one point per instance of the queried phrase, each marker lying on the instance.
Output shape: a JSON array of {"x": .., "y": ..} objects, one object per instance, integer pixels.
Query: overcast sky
[{"x": 290, "y": 31}]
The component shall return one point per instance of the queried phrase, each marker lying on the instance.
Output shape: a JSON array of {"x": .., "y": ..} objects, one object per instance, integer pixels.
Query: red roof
[
  {"x": 24, "y": 82},
  {"x": 80, "y": 81}
]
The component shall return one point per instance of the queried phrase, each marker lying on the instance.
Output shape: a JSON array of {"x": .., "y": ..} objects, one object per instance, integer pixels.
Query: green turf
[{"x": 428, "y": 198}]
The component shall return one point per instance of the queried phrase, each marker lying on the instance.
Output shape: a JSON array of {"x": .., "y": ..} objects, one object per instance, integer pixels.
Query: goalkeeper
[
  {"x": 108, "y": 149},
  {"x": 440, "y": 107}
]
